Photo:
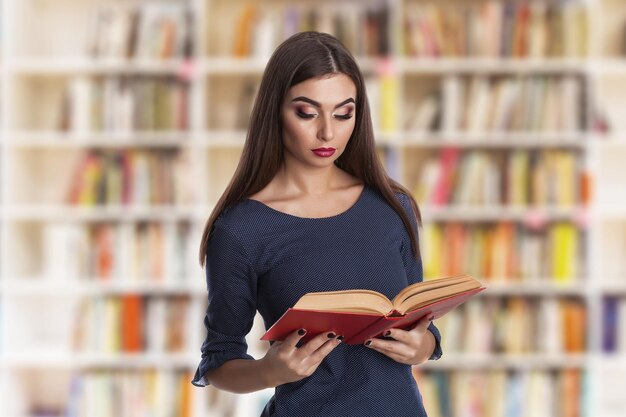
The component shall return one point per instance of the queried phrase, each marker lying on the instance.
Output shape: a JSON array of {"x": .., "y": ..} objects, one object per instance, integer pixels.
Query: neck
[{"x": 307, "y": 180}]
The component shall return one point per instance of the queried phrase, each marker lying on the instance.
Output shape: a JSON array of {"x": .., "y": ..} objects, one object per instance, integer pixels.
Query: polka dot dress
[{"x": 263, "y": 259}]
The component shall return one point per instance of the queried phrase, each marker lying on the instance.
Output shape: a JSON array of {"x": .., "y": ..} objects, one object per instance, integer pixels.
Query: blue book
[{"x": 609, "y": 324}]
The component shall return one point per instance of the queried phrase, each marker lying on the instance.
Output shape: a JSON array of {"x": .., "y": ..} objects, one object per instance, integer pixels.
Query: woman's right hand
[{"x": 284, "y": 362}]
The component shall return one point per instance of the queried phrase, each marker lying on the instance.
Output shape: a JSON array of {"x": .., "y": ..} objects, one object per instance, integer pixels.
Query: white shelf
[
  {"x": 19, "y": 139},
  {"x": 609, "y": 212},
  {"x": 491, "y": 65},
  {"x": 92, "y": 66},
  {"x": 166, "y": 286},
  {"x": 229, "y": 66},
  {"x": 232, "y": 66},
  {"x": 614, "y": 66},
  {"x": 544, "y": 287},
  {"x": 611, "y": 286},
  {"x": 609, "y": 361},
  {"x": 39, "y": 212},
  {"x": 486, "y": 213},
  {"x": 495, "y": 139},
  {"x": 498, "y": 361},
  {"x": 77, "y": 360}
]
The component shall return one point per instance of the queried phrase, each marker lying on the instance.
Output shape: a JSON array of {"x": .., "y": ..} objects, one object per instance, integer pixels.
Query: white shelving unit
[
  {"x": 3, "y": 179},
  {"x": 43, "y": 51}
]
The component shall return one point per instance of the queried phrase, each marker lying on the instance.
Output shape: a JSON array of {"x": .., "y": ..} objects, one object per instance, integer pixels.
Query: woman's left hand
[{"x": 410, "y": 347}]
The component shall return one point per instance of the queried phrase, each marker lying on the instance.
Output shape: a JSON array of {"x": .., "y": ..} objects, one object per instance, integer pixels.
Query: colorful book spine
[
  {"x": 499, "y": 392},
  {"x": 513, "y": 178},
  {"x": 505, "y": 251},
  {"x": 539, "y": 29},
  {"x": 130, "y": 177}
]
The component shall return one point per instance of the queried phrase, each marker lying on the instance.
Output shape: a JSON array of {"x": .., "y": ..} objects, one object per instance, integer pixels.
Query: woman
[{"x": 310, "y": 208}]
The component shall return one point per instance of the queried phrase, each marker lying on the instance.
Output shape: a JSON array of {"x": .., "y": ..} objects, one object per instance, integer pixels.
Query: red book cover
[{"x": 357, "y": 327}]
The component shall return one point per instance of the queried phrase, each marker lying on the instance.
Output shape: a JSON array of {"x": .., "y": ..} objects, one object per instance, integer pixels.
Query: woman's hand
[
  {"x": 284, "y": 362},
  {"x": 410, "y": 347}
]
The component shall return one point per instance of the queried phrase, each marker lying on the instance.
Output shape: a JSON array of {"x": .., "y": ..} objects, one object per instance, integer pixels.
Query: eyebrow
[{"x": 316, "y": 104}]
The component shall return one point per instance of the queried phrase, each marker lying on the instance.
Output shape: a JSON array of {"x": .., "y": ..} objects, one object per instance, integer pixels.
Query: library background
[{"x": 122, "y": 122}]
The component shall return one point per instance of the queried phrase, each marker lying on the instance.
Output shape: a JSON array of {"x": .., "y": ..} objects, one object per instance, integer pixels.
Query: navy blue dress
[{"x": 263, "y": 259}]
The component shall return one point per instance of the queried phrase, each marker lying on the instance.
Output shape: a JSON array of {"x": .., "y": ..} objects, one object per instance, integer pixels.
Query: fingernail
[
  {"x": 301, "y": 332},
  {"x": 340, "y": 338},
  {"x": 369, "y": 342},
  {"x": 431, "y": 318},
  {"x": 331, "y": 335},
  {"x": 387, "y": 333}
]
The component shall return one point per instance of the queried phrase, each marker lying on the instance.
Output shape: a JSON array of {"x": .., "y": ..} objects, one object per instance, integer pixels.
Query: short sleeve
[
  {"x": 231, "y": 285},
  {"x": 413, "y": 266}
]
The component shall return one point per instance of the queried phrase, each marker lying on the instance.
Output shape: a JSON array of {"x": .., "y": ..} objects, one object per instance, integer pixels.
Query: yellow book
[
  {"x": 431, "y": 259},
  {"x": 564, "y": 250},
  {"x": 389, "y": 98}
]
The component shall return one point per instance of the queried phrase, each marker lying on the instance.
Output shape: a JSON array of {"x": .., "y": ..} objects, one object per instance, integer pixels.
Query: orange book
[
  {"x": 574, "y": 325},
  {"x": 521, "y": 31},
  {"x": 185, "y": 395},
  {"x": 360, "y": 314},
  {"x": 570, "y": 382},
  {"x": 132, "y": 323},
  {"x": 244, "y": 31},
  {"x": 585, "y": 188},
  {"x": 104, "y": 253}
]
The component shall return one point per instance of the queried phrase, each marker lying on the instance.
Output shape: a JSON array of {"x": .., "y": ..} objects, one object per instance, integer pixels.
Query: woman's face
[{"x": 319, "y": 113}]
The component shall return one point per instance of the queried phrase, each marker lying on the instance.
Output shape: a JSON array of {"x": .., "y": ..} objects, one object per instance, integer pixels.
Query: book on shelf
[
  {"x": 124, "y": 104},
  {"x": 157, "y": 31},
  {"x": 507, "y": 29},
  {"x": 507, "y": 252},
  {"x": 532, "y": 392},
  {"x": 361, "y": 314},
  {"x": 529, "y": 103},
  {"x": 133, "y": 323},
  {"x": 136, "y": 392},
  {"x": 510, "y": 178},
  {"x": 132, "y": 177},
  {"x": 363, "y": 29},
  {"x": 614, "y": 324}
]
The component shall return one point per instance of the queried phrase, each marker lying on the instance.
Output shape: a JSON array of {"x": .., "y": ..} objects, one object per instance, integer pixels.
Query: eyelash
[{"x": 310, "y": 116}]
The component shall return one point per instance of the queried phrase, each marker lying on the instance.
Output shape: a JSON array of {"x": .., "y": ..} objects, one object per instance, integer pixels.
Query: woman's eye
[
  {"x": 344, "y": 116},
  {"x": 304, "y": 115}
]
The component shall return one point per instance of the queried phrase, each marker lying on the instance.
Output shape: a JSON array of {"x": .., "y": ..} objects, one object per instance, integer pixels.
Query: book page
[{"x": 356, "y": 301}]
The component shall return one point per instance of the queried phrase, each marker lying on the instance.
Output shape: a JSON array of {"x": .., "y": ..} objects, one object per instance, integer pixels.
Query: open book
[{"x": 359, "y": 315}]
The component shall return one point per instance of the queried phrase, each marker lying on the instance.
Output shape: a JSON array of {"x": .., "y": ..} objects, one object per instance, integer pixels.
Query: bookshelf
[
  {"x": 541, "y": 179},
  {"x": 3, "y": 77}
]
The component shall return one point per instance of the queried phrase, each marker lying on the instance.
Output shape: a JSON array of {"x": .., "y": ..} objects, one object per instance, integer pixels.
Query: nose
[{"x": 325, "y": 131}]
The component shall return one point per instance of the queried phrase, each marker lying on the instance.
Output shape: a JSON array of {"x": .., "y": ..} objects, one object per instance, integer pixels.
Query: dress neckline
[{"x": 349, "y": 210}]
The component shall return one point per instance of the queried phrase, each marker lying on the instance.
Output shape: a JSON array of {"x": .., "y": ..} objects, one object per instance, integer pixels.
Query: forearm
[{"x": 240, "y": 376}]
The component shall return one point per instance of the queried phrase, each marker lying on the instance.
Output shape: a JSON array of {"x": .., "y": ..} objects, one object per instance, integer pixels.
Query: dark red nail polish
[
  {"x": 387, "y": 333},
  {"x": 369, "y": 342},
  {"x": 331, "y": 335},
  {"x": 301, "y": 332},
  {"x": 340, "y": 338}
]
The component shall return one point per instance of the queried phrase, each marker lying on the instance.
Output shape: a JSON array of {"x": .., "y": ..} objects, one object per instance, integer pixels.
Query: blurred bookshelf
[
  {"x": 3, "y": 76},
  {"x": 122, "y": 123}
]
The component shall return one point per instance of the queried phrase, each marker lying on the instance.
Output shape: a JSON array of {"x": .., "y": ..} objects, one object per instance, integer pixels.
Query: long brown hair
[{"x": 303, "y": 56}]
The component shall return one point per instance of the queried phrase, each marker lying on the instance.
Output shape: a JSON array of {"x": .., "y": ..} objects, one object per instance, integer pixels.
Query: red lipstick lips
[{"x": 324, "y": 152}]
